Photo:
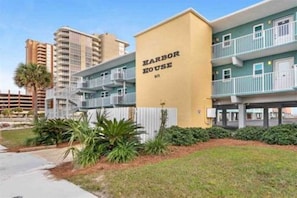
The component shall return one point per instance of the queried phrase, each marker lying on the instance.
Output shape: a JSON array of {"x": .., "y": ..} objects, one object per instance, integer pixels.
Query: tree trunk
[{"x": 34, "y": 103}]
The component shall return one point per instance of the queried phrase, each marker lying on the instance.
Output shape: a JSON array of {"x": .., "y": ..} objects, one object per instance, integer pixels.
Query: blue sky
[{"x": 39, "y": 19}]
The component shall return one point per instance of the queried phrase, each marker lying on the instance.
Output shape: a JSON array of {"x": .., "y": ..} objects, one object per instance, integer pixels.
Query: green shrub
[
  {"x": 249, "y": 133},
  {"x": 200, "y": 135},
  {"x": 218, "y": 133},
  {"x": 185, "y": 136},
  {"x": 285, "y": 134},
  {"x": 123, "y": 152},
  {"x": 179, "y": 136},
  {"x": 50, "y": 132},
  {"x": 87, "y": 156},
  {"x": 157, "y": 146},
  {"x": 118, "y": 140}
]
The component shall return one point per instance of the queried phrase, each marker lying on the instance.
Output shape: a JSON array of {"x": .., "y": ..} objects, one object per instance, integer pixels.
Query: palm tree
[{"x": 34, "y": 77}]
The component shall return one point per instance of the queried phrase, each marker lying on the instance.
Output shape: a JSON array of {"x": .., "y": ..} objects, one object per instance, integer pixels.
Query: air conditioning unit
[
  {"x": 211, "y": 113},
  {"x": 82, "y": 85},
  {"x": 117, "y": 99},
  {"x": 117, "y": 76}
]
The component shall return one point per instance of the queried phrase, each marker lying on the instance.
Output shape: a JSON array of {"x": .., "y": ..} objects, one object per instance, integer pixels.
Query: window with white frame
[
  {"x": 258, "y": 31},
  {"x": 121, "y": 91},
  {"x": 104, "y": 94},
  {"x": 226, "y": 40},
  {"x": 103, "y": 75},
  {"x": 258, "y": 69},
  {"x": 226, "y": 74}
]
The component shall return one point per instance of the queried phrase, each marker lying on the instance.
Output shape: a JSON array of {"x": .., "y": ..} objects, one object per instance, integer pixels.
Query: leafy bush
[
  {"x": 123, "y": 152},
  {"x": 49, "y": 132},
  {"x": 249, "y": 133},
  {"x": 86, "y": 157},
  {"x": 185, "y": 136},
  {"x": 157, "y": 146},
  {"x": 285, "y": 134},
  {"x": 218, "y": 133},
  {"x": 179, "y": 136},
  {"x": 199, "y": 134},
  {"x": 118, "y": 140}
]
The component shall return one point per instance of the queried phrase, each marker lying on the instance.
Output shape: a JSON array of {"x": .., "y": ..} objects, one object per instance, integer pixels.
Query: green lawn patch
[
  {"x": 16, "y": 138},
  {"x": 226, "y": 171}
]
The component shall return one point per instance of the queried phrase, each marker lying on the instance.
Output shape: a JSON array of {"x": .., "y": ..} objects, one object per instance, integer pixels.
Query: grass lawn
[
  {"x": 224, "y": 171},
  {"x": 15, "y": 138}
]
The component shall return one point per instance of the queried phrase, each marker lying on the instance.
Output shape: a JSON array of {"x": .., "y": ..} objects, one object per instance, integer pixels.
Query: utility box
[{"x": 211, "y": 113}]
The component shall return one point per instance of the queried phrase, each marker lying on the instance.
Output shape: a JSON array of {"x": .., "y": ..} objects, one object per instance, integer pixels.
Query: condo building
[
  {"x": 75, "y": 51},
  {"x": 239, "y": 64},
  {"x": 41, "y": 54}
]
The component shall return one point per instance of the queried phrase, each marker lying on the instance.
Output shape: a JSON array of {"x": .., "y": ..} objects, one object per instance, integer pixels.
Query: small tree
[
  {"x": 34, "y": 77},
  {"x": 164, "y": 118}
]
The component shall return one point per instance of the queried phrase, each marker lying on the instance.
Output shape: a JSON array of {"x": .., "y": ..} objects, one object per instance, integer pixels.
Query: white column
[
  {"x": 241, "y": 115},
  {"x": 54, "y": 107}
]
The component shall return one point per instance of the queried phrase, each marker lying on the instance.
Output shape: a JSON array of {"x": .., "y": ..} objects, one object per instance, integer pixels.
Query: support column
[
  {"x": 54, "y": 108},
  {"x": 241, "y": 116},
  {"x": 224, "y": 117},
  {"x": 266, "y": 117},
  {"x": 280, "y": 116}
]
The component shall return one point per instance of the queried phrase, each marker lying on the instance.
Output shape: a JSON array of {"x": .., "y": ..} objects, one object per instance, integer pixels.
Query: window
[
  {"x": 226, "y": 40},
  {"x": 120, "y": 91},
  {"x": 258, "y": 69},
  {"x": 103, "y": 75},
  {"x": 258, "y": 31},
  {"x": 104, "y": 94},
  {"x": 226, "y": 74},
  {"x": 283, "y": 27}
]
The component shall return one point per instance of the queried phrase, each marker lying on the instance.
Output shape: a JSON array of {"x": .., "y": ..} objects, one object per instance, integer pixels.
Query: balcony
[
  {"x": 130, "y": 74},
  {"x": 283, "y": 81},
  {"x": 270, "y": 41},
  {"x": 113, "y": 100},
  {"x": 115, "y": 79}
]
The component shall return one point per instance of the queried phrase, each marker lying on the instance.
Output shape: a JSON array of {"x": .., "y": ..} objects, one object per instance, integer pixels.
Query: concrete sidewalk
[{"x": 25, "y": 175}]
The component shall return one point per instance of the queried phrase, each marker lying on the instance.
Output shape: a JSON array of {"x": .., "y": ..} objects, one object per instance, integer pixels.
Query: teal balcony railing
[
  {"x": 258, "y": 84},
  {"x": 260, "y": 40},
  {"x": 113, "y": 100},
  {"x": 110, "y": 79}
]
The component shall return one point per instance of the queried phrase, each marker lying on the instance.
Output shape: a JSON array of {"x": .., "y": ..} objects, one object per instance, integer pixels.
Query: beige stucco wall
[{"x": 186, "y": 83}]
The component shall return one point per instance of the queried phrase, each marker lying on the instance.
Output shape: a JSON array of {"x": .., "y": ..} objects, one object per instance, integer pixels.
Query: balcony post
[
  {"x": 234, "y": 50},
  {"x": 241, "y": 115},
  {"x": 295, "y": 71},
  {"x": 263, "y": 81},
  {"x": 234, "y": 86}
]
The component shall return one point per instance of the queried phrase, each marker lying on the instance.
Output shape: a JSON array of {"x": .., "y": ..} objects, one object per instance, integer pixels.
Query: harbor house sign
[{"x": 149, "y": 67}]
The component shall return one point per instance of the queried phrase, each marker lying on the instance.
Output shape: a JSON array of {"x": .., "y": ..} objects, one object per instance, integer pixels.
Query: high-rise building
[
  {"x": 111, "y": 46},
  {"x": 75, "y": 51},
  {"x": 40, "y": 54}
]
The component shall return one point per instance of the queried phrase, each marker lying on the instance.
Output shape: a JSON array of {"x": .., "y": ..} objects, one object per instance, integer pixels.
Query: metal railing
[
  {"x": 128, "y": 74},
  {"x": 268, "y": 38},
  {"x": 127, "y": 99},
  {"x": 256, "y": 84}
]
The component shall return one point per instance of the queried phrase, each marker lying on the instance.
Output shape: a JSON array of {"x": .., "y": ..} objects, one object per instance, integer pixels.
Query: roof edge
[
  {"x": 239, "y": 11},
  {"x": 191, "y": 10}
]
